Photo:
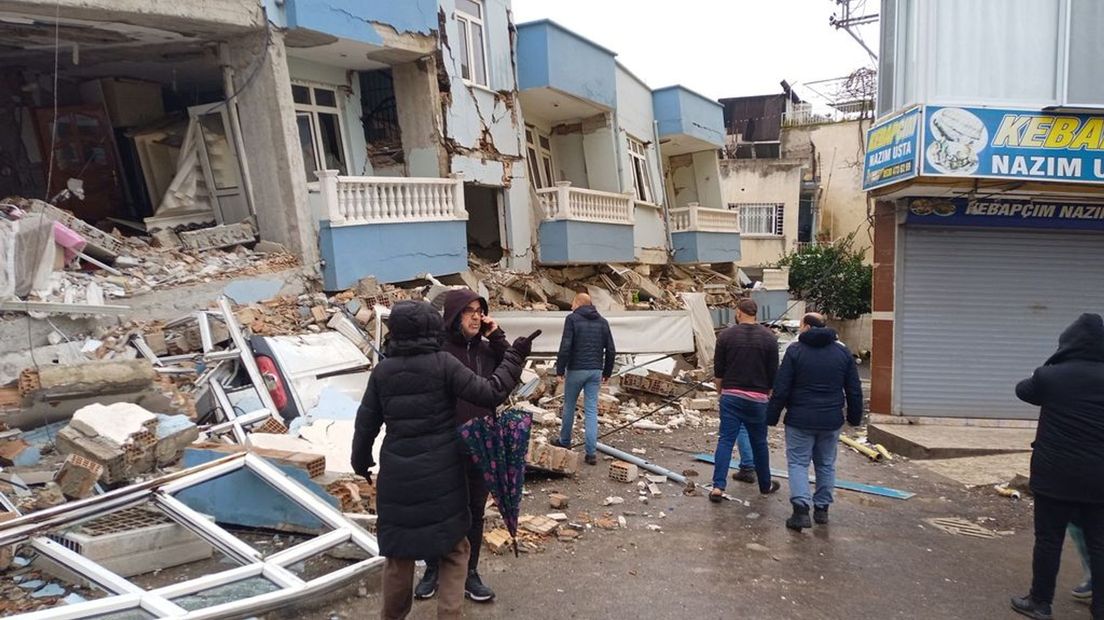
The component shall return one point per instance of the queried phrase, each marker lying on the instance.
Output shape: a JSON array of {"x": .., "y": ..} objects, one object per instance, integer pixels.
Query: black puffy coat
[
  {"x": 1068, "y": 459},
  {"x": 817, "y": 375},
  {"x": 422, "y": 493},
  {"x": 587, "y": 343},
  {"x": 480, "y": 355}
]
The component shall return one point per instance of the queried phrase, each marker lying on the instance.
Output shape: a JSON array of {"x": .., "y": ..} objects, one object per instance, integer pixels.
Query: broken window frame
[
  {"x": 542, "y": 166},
  {"x": 473, "y": 59},
  {"x": 314, "y": 112},
  {"x": 641, "y": 172},
  {"x": 123, "y": 595},
  {"x": 760, "y": 219}
]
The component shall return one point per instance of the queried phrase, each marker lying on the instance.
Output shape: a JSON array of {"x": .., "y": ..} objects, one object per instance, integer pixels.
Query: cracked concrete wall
[
  {"x": 707, "y": 177},
  {"x": 271, "y": 139},
  {"x": 419, "y": 110},
  {"x": 356, "y": 20},
  {"x": 200, "y": 18},
  {"x": 764, "y": 181},
  {"x": 682, "y": 181},
  {"x": 600, "y": 154},
  {"x": 347, "y": 86},
  {"x": 635, "y": 118}
]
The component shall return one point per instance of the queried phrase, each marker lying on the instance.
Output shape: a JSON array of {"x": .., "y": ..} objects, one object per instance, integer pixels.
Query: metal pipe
[
  {"x": 866, "y": 451},
  {"x": 641, "y": 463},
  {"x": 666, "y": 199},
  {"x": 235, "y": 127}
]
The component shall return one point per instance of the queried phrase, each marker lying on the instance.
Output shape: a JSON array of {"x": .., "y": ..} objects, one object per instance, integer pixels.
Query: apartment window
[
  {"x": 319, "y": 122},
  {"x": 642, "y": 180},
  {"x": 760, "y": 218},
  {"x": 473, "y": 43},
  {"x": 538, "y": 147}
]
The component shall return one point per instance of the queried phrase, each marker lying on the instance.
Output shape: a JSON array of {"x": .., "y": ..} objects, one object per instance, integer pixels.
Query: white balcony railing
[
  {"x": 565, "y": 202},
  {"x": 696, "y": 218},
  {"x": 352, "y": 201}
]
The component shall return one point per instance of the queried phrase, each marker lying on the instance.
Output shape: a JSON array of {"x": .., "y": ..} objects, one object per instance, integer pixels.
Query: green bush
[{"x": 831, "y": 278}]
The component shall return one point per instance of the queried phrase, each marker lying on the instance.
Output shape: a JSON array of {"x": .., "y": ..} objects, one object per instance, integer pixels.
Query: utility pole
[{"x": 848, "y": 22}]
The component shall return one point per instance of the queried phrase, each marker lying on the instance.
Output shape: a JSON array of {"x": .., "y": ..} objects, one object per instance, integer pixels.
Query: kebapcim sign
[{"x": 997, "y": 144}]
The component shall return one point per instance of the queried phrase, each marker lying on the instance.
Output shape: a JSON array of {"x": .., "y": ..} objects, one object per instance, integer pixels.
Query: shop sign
[
  {"x": 892, "y": 148},
  {"x": 1005, "y": 213}
]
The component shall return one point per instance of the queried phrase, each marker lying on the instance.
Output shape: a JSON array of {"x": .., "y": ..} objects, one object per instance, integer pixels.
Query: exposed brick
[
  {"x": 558, "y": 500},
  {"x": 78, "y": 476}
]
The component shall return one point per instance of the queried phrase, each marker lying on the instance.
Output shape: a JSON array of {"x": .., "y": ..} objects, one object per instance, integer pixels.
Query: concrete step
[{"x": 943, "y": 442}]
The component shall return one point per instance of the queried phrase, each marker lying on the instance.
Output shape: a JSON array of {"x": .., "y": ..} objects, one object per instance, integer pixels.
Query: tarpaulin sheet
[{"x": 633, "y": 331}]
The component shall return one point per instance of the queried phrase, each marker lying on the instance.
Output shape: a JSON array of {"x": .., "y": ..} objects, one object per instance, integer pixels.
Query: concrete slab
[
  {"x": 943, "y": 442},
  {"x": 978, "y": 471}
]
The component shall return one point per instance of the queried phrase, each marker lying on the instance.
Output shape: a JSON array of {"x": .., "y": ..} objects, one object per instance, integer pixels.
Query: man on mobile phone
[{"x": 474, "y": 338}]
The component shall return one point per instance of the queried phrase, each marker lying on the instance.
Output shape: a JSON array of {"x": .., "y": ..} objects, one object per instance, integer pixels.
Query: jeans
[
  {"x": 803, "y": 446},
  {"x": 1052, "y": 516},
  {"x": 738, "y": 414},
  {"x": 588, "y": 382},
  {"x": 743, "y": 446}
]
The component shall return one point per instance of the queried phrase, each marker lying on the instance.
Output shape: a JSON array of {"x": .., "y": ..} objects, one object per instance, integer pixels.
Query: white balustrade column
[
  {"x": 563, "y": 200},
  {"x": 459, "y": 209},
  {"x": 327, "y": 181},
  {"x": 692, "y": 212}
]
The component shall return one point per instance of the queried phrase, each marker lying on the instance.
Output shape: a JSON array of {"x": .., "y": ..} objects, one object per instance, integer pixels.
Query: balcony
[
  {"x": 688, "y": 122},
  {"x": 704, "y": 235},
  {"x": 393, "y": 228},
  {"x": 585, "y": 226},
  {"x": 561, "y": 75}
]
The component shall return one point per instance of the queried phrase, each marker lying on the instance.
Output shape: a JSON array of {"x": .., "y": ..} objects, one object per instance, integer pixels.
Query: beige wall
[
  {"x": 764, "y": 181},
  {"x": 838, "y": 149}
]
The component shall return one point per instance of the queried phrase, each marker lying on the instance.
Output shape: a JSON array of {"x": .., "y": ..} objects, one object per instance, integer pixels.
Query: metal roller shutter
[{"x": 980, "y": 309}]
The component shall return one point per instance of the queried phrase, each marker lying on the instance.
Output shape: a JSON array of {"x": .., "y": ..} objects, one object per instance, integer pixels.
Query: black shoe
[
  {"x": 1083, "y": 592},
  {"x": 427, "y": 585},
  {"x": 1031, "y": 608},
  {"x": 820, "y": 515},
  {"x": 774, "y": 486},
  {"x": 555, "y": 443},
  {"x": 591, "y": 459},
  {"x": 800, "y": 519},
  {"x": 476, "y": 590},
  {"x": 744, "y": 474}
]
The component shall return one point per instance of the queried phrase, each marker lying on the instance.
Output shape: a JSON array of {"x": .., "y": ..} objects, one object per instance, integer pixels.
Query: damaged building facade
[
  {"x": 987, "y": 179},
  {"x": 620, "y": 173}
]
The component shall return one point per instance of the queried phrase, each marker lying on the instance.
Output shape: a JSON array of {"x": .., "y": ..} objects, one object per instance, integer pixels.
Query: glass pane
[
  {"x": 332, "y": 152},
  {"x": 1086, "y": 71},
  {"x": 465, "y": 61},
  {"x": 306, "y": 143},
  {"x": 219, "y": 154},
  {"x": 127, "y": 614},
  {"x": 529, "y": 136},
  {"x": 227, "y": 593},
  {"x": 480, "y": 61},
  {"x": 545, "y": 143},
  {"x": 534, "y": 169},
  {"x": 470, "y": 7},
  {"x": 325, "y": 97},
  {"x": 300, "y": 94},
  {"x": 548, "y": 176}
]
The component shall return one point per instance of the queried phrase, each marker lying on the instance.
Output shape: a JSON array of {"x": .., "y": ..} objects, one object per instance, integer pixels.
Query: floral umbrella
[{"x": 498, "y": 446}]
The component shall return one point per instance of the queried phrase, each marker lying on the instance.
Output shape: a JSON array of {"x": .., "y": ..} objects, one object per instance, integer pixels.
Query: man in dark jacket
[
  {"x": 1067, "y": 464},
  {"x": 817, "y": 375},
  {"x": 585, "y": 361},
  {"x": 466, "y": 322},
  {"x": 422, "y": 497},
  {"x": 744, "y": 365}
]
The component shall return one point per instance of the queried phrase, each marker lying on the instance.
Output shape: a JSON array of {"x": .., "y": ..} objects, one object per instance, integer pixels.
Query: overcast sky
[{"x": 720, "y": 48}]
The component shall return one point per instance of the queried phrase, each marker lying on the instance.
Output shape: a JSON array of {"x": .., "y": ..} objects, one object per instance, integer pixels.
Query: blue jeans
[
  {"x": 743, "y": 446},
  {"x": 820, "y": 447},
  {"x": 587, "y": 382},
  {"x": 740, "y": 415}
]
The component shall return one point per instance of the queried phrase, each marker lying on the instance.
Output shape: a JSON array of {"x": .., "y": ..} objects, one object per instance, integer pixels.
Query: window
[
  {"x": 642, "y": 179},
  {"x": 319, "y": 122},
  {"x": 473, "y": 45},
  {"x": 538, "y": 148},
  {"x": 760, "y": 218}
]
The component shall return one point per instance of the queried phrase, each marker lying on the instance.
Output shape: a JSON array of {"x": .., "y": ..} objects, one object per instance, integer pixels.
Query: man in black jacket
[
  {"x": 467, "y": 321},
  {"x": 1067, "y": 462},
  {"x": 818, "y": 373},
  {"x": 584, "y": 363},
  {"x": 422, "y": 498},
  {"x": 744, "y": 365}
]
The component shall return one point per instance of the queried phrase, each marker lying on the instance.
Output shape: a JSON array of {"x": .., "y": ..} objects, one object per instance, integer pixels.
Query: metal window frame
[
  {"x": 125, "y": 595},
  {"x": 638, "y": 153}
]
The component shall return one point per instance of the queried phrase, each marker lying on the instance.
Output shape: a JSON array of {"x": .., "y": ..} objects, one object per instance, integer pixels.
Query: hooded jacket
[
  {"x": 587, "y": 343},
  {"x": 480, "y": 355},
  {"x": 818, "y": 375},
  {"x": 422, "y": 492},
  {"x": 1068, "y": 458}
]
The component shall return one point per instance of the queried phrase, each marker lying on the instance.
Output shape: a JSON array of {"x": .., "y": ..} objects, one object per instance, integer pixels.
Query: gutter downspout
[{"x": 666, "y": 199}]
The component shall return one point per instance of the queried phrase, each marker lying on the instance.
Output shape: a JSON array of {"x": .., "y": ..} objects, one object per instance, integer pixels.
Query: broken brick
[
  {"x": 497, "y": 540},
  {"x": 558, "y": 500},
  {"x": 17, "y": 453},
  {"x": 78, "y": 476}
]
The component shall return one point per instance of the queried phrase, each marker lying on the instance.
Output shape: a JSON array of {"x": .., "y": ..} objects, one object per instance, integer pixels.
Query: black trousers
[
  {"x": 477, "y": 505},
  {"x": 1052, "y": 516}
]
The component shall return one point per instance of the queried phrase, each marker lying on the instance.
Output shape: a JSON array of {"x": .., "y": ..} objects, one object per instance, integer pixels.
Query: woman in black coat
[{"x": 422, "y": 491}]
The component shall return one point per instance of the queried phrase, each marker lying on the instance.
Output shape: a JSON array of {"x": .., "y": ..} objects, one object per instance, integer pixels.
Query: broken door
[
  {"x": 221, "y": 165},
  {"x": 80, "y": 145}
]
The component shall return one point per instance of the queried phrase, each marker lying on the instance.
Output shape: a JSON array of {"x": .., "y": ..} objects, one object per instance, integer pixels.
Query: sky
[{"x": 719, "y": 48}]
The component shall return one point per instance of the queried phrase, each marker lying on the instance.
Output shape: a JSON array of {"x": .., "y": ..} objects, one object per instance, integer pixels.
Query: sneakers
[
  {"x": 744, "y": 474},
  {"x": 1083, "y": 592},
  {"x": 591, "y": 459},
  {"x": 774, "y": 486},
  {"x": 820, "y": 515},
  {"x": 1031, "y": 608},
  {"x": 800, "y": 518},
  {"x": 427, "y": 585},
  {"x": 476, "y": 590}
]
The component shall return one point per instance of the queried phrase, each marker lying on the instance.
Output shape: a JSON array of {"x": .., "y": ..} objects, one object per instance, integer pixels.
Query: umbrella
[{"x": 498, "y": 445}]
